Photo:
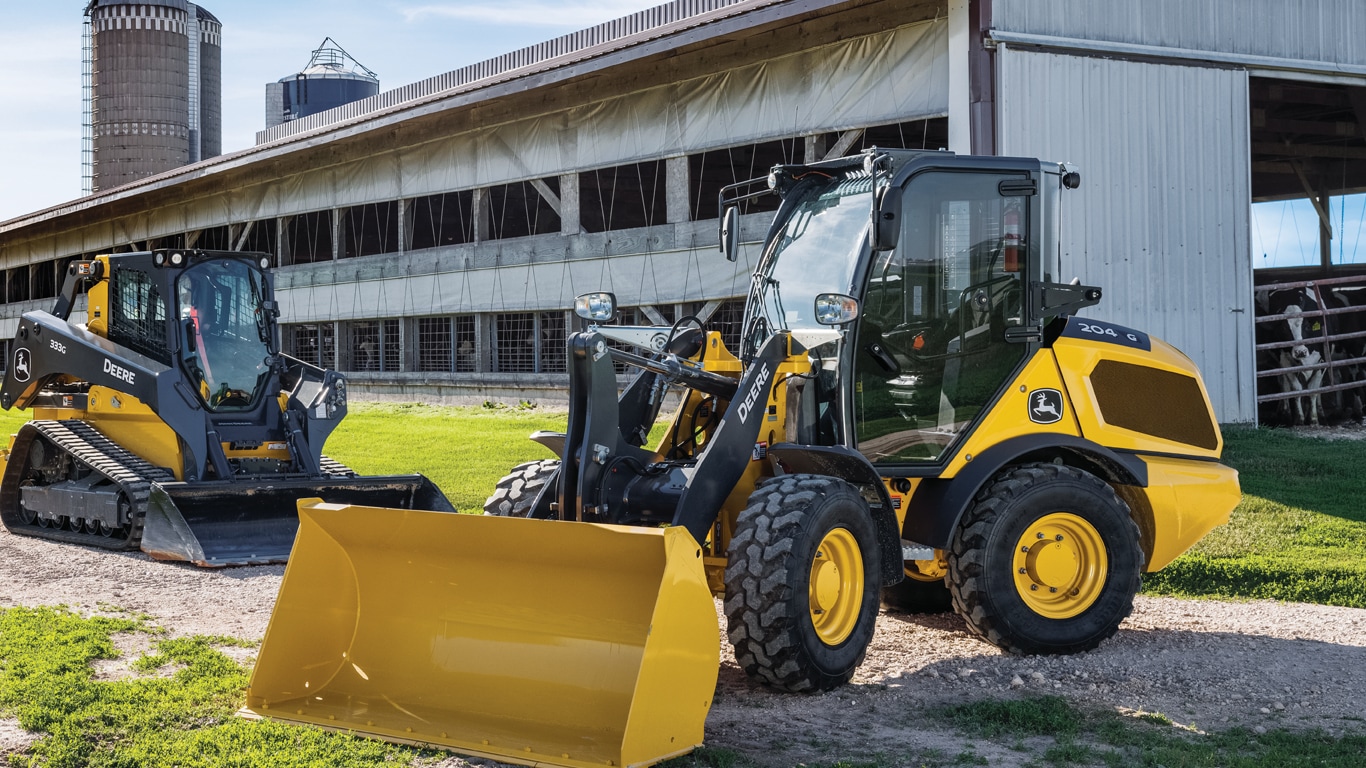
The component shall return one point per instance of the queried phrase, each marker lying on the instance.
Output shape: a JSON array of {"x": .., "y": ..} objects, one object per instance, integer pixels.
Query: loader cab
[
  {"x": 946, "y": 320},
  {"x": 946, "y": 280},
  {"x": 228, "y": 336}
]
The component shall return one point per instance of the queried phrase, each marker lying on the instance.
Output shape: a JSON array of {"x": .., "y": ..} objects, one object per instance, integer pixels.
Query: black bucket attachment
[{"x": 216, "y": 524}]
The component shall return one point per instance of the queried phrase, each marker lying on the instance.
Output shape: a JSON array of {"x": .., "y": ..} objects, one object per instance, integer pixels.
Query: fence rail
[{"x": 1341, "y": 345}]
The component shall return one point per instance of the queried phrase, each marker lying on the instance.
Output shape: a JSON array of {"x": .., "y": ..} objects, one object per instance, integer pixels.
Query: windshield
[
  {"x": 816, "y": 250},
  {"x": 226, "y": 349}
]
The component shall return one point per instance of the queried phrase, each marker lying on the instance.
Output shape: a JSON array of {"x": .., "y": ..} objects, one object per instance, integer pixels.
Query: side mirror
[
  {"x": 730, "y": 233},
  {"x": 887, "y": 218},
  {"x": 835, "y": 308}
]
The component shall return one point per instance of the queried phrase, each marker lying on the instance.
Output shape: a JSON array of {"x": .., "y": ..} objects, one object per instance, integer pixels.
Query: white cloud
[{"x": 520, "y": 12}]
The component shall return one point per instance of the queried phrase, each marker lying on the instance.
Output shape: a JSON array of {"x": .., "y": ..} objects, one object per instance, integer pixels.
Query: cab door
[{"x": 931, "y": 350}]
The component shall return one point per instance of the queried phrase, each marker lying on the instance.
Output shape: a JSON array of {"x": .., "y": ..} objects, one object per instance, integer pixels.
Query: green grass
[
  {"x": 1299, "y": 533},
  {"x": 465, "y": 451},
  {"x": 177, "y": 711},
  {"x": 1075, "y": 736}
]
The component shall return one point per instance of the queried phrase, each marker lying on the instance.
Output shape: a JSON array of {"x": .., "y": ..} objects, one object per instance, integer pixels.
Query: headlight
[{"x": 598, "y": 307}]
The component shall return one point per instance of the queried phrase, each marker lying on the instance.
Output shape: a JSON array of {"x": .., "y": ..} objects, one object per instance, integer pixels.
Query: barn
[{"x": 428, "y": 240}]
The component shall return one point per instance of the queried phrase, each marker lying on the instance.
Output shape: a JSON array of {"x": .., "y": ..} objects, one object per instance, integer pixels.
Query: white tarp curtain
[
  {"x": 892, "y": 76},
  {"x": 638, "y": 279}
]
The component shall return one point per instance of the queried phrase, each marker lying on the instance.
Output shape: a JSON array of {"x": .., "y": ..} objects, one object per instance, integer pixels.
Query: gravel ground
[{"x": 1211, "y": 665}]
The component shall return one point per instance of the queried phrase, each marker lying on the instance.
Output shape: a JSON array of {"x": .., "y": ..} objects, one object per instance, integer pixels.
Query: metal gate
[{"x": 1341, "y": 308}]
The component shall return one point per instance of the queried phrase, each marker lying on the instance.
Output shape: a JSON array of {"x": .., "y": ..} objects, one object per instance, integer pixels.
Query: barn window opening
[
  {"x": 376, "y": 346},
  {"x": 728, "y": 320},
  {"x": 709, "y": 171},
  {"x": 260, "y": 238},
  {"x": 369, "y": 229},
  {"x": 434, "y": 344},
  {"x": 309, "y": 237},
  {"x": 520, "y": 209},
  {"x": 44, "y": 280},
  {"x": 622, "y": 197},
  {"x": 552, "y": 339},
  {"x": 16, "y": 280},
  {"x": 214, "y": 239},
  {"x": 514, "y": 342},
  {"x": 313, "y": 343},
  {"x": 438, "y": 220}
]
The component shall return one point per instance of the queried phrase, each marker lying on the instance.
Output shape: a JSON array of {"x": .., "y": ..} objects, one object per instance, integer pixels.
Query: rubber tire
[
  {"x": 980, "y": 560},
  {"x": 767, "y": 582},
  {"x": 516, "y": 492},
  {"x": 915, "y": 596}
]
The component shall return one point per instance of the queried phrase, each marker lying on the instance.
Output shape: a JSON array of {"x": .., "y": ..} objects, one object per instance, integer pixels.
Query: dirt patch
[{"x": 1211, "y": 665}]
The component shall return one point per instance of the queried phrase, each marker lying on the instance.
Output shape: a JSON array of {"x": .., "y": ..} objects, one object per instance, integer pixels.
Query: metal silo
[
  {"x": 332, "y": 78},
  {"x": 209, "y": 106},
  {"x": 144, "y": 101}
]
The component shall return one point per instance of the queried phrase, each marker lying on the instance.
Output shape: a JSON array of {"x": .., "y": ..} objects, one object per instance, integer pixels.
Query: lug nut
[
  {"x": 1033, "y": 587},
  {"x": 1053, "y": 589},
  {"x": 1038, "y": 535},
  {"x": 1022, "y": 570},
  {"x": 1058, "y": 537}
]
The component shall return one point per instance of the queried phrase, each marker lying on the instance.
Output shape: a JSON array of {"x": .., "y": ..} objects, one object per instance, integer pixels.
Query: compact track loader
[
  {"x": 170, "y": 421},
  {"x": 914, "y": 411}
]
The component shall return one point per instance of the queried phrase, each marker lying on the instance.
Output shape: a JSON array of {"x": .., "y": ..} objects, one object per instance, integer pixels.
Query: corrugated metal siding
[
  {"x": 1317, "y": 30},
  {"x": 1161, "y": 221}
]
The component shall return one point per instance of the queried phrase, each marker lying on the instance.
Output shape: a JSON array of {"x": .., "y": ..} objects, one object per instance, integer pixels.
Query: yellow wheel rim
[
  {"x": 1060, "y": 565},
  {"x": 836, "y": 586}
]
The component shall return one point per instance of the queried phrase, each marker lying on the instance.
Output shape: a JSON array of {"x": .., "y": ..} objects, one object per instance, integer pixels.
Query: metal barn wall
[
  {"x": 1329, "y": 31},
  {"x": 1161, "y": 220}
]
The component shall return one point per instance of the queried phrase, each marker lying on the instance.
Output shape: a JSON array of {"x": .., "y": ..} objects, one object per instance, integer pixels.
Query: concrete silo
[
  {"x": 155, "y": 88},
  {"x": 331, "y": 79}
]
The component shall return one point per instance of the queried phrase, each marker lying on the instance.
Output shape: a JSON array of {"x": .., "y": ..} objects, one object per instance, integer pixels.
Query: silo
[
  {"x": 144, "y": 101},
  {"x": 210, "y": 73},
  {"x": 332, "y": 78}
]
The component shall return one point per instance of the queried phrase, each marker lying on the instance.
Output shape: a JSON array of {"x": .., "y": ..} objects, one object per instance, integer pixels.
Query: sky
[
  {"x": 402, "y": 41},
  {"x": 1286, "y": 233}
]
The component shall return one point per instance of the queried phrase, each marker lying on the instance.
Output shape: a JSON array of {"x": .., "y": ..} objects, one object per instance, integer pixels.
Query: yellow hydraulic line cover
[{"x": 531, "y": 641}]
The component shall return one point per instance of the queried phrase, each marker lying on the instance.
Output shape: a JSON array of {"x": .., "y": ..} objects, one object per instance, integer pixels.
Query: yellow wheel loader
[
  {"x": 914, "y": 410},
  {"x": 170, "y": 421}
]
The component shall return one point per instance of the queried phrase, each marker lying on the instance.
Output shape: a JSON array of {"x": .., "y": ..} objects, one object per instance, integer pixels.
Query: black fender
[
  {"x": 933, "y": 511},
  {"x": 850, "y": 466}
]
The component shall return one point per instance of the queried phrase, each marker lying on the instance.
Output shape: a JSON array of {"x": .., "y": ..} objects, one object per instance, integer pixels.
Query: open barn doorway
[{"x": 1308, "y": 142}]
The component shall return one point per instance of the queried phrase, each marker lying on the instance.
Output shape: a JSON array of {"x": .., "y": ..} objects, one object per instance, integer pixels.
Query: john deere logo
[
  {"x": 23, "y": 364},
  {"x": 1045, "y": 406}
]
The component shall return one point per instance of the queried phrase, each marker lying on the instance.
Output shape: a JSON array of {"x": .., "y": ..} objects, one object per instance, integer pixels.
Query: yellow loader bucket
[{"x": 538, "y": 642}]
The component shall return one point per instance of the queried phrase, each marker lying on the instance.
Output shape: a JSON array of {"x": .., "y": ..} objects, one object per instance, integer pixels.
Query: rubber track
[
  {"x": 516, "y": 492},
  {"x": 335, "y": 468},
  {"x": 132, "y": 474}
]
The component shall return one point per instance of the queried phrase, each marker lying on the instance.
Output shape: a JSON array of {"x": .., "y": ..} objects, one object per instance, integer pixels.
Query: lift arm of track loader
[{"x": 47, "y": 347}]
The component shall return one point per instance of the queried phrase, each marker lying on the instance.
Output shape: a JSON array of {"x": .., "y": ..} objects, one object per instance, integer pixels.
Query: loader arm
[{"x": 47, "y": 347}]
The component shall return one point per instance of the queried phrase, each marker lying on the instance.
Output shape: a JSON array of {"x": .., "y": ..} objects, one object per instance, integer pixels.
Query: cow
[{"x": 1308, "y": 350}]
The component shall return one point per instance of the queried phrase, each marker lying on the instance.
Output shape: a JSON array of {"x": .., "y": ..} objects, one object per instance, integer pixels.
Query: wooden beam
[
  {"x": 549, "y": 195},
  {"x": 842, "y": 145},
  {"x": 242, "y": 238}
]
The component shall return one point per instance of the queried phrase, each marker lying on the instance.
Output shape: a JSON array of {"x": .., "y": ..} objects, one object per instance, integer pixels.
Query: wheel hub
[
  {"x": 1060, "y": 565},
  {"x": 836, "y": 586}
]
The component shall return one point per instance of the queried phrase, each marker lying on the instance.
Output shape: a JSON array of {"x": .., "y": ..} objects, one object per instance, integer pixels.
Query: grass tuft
[{"x": 1039, "y": 716}]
